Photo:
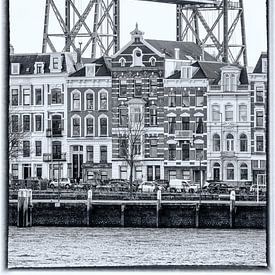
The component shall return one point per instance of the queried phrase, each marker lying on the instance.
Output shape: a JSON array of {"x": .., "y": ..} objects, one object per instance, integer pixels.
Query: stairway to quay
[{"x": 142, "y": 210}]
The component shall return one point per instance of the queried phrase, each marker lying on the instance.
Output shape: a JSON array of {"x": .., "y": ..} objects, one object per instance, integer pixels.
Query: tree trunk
[{"x": 131, "y": 179}]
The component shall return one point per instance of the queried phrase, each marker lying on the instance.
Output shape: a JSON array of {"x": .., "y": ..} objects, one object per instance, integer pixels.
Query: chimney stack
[
  {"x": 177, "y": 53},
  {"x": 11, "y": 49}
]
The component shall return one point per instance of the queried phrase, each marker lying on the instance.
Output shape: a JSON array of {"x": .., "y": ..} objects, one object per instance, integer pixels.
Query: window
[
  {"x": 172, "y": 98},
  {"x": 153, "y": 116},
  {"x": 103, "y": 154},
  {"x": 57, "y": 125},
  {"x": 152, "y": 61},
  {"x": 123, "y": 87},
  {"x": 259, "y": 94},
  {"x": 89, "y": 101},
  {"x": 226, "y": 82},
  {"x": 172, "y": 151},
  {"x": 103, "y": 126},
  {"x": 185, "y": 148},
  {"x": 171, "y": 125},
  {"x": 55, "y": 63},
  {"x": 243, "y": 113},
  {"x": 216, "y": 115},
  {"x": 137, "y": 57},
  {"x": 185, "y": 102},
  {"x": 259, "y": 118},
  {"x": 56, "y": 96},
  {"x": 149, "y": 173},
  {"x": 157, "y": 172},
  {"x": 38, "y": 96},
  {"x": 244, "y": 171},
  {"x": 26, "y": 123},
  {"x": 39, "y": 67},
  {"x": 138, "y": 87},
  {"x": 216, "y": 143},
  {"x": 186, "y": 72},
  {"x": 259, "y": 143},
  {"x": 153, "y": 148},
  {"x": 243, "y": 143},
  {"x": 122, "y": 61},
  {"x": 199, "y": 125},
  {"x": 14, "y": 171},
  {"x": 199, "y": 98},
  {"x": 15, "y": 68},
  {"x": 135, "y": 114},
  {"x": 185, "y": 123},
  {"x": 26, "y": 97},
  {"x": 154, "y": 85},
  {"x": 38, "y": 148},
  {"x": 199, "y": 151},
  {"x": 123, "y": 147},
  {"x": 263, "y": 164},
  {"x": 14, "y": 97},
  {"x": 76, "y": 126},
  {"x": 229, "y": 142},
  {"x": 137, "y": 147},
  {"x": 172, "y": 174},
  {"x": 103, "y": 98},
  {"x": 230, "y": 171},
  {"x": 228, "y": 112},
  {"x": 90, "y": 70},
  {"x": 186, "y": 175},
  {"x": 90, "y": 153},
  {"x": 38, "y": 123},
  {"x": 56, "y": 150},
  {"x": 123, "y": 172},
  {"x": 76, "y": 100},
  {"x": 26, "y": 148},
  {"x": 89, "y": 126},
  {"x": 14, "y": 123},
  {"x": 123, "y": 117}
]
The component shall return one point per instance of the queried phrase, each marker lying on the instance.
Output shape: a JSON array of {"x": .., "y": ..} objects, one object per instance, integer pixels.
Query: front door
[
  {"x": 26, "y": 171},
  {"x": 216, "y": 173}
]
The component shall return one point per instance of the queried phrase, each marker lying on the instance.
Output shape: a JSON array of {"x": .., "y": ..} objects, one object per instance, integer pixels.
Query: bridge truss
[{"x": 217, "y": 26}]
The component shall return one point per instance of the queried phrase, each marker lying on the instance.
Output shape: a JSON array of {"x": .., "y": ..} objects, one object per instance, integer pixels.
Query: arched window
[
  {"x": 242, "y": 112},
  {"x": 152, "y": 61},
  {"x": 123, "y": 116},
  {"x": 243, "y": 143},
  {"x": 216, "y": 143},
  {"x": 137, "y": 57},
  {"x": 76, "y": 100},
  {"x": 216, "y": 115},
  {"x": 103, "y": 126},
  {"x": 244, "y": 171},
  {"x": 172, "y": 98},
  {"x": 76, "y": 126},
  {"x": 230, "y": 171},
  {"x": 103, "y": 100},
  {"x": 226, "y": 82},
  {"x": 229, "y": 142},
  {"x": 89, "y": 120},
  {"x": 122, "y": 61},
  {"x": 89, "y": 97},
  {"x": 216, "y": 171},
  {"x": 228, "y": 112}
]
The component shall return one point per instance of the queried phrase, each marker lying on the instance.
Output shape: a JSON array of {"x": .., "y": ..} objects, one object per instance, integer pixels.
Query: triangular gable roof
[{"x": 258, "y": 68}]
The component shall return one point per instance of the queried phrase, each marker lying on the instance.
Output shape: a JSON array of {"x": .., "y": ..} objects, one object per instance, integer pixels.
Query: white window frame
[
  {"x": 246, "y": 170},
  {"x": 122, "y": 61},
  {"x": 152, "y": 61},
  {"x": 35, "y": 115},
  {"x": 23, "y": 95},
  {"x": 37, "y": 65},
  {"x": 23, "y": 123},
  {"x": 234, "y": 171},
  {"x": 255, "y": 142},
  {"x": 89, "y": 91},
  {"x": 90, "y": 70},
  {"x": 99, "y": 93},
  {"x": 11, "y": 89},
  {"x": 255, "y": 117},
  {"x": 230, "y": 143},
  {"x": 213, "y": 145},
  {"x": 72, "y": 126},
  {"x": 186, "y": 72},
  {"x": 15, "y": 68},
  {"x": 255, "y": 93},
  {"x": 218, "y": 112},
  {"x": 42, "y": 98},
  {"x": 247, "y": 143},
  {"x": 240, "y": 105},
  {"x": 137, "y": 61},
  {"x": 18, "y": 123},
  {"x": 99, "y": 126},
  {"x": 86, "y": 129},
  {"x": 231, "y": 110},
  {"x": 72, "y": 100}
]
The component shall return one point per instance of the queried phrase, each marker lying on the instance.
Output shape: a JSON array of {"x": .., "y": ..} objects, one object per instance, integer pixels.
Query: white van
[{"x": 177, "y": 185}]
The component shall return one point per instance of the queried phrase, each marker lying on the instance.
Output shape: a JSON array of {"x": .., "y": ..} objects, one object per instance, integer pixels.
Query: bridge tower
[
  {"x": 218, "y": 27},
  {"x": 85, "y": 25}
]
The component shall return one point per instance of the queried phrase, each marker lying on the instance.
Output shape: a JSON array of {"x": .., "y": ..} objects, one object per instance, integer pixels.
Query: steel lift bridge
[{"x": 217, "y": 26}]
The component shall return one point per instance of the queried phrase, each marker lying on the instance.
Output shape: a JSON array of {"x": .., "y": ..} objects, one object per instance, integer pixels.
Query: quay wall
[{"x": 127, "y": 215}]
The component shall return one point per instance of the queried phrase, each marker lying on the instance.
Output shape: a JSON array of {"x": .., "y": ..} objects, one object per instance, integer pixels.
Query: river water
[{"x": 90, "y": 247}]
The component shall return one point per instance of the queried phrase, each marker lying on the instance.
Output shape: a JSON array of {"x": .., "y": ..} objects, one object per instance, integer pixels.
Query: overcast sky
[{"x": 157, "y": 20}]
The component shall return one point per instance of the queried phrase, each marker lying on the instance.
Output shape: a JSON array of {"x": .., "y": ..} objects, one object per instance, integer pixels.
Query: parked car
[
  {"x": 63, "y": 183},
  {"x": 191, "y": 187},
  {"x": 162, "y": 184},
  {"x": 147, "y": 186},
  {"x": 217, "y": 187},
  {"x": 177, "y": 185},
  {"x": 253, "y": 188}
]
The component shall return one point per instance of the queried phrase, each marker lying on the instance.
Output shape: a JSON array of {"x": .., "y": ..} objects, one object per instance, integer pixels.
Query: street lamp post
[
  {"x": 201, "y": 178},
  {"x": 221, "y": 148}
]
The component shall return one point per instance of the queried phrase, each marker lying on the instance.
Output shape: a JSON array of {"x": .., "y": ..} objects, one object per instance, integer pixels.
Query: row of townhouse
[{"x": 200, "y": 117}]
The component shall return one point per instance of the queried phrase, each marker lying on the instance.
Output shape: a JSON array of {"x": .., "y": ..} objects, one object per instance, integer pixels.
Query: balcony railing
[
  {"x": 54, "y": 157},
  {"x": 231, "y": 88},
  {"x": 228, "y": 154},
  {"x": 184, "y": 134},
  {"x": 54, "y": 132}
]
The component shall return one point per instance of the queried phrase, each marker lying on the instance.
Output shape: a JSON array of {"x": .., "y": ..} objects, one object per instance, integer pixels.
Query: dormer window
[
  {"x": 15, "y": 68},
  {"x": 137, "y": 57},
  {"x": 56, "y": 63},
  {"x": 264, "y": 65},
  {"x": 122, "y": 62},
  {"x": 39, "y": 67},
  {"x": 230, "y": 78},
  {"x": 186, "y": 72},
  {"x": 152, "y": 61},
  {"x": 90, "y": 70}
]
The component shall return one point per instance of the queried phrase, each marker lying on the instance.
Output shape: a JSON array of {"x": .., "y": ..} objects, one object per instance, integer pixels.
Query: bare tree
[{"x": 130, "y": 141}]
